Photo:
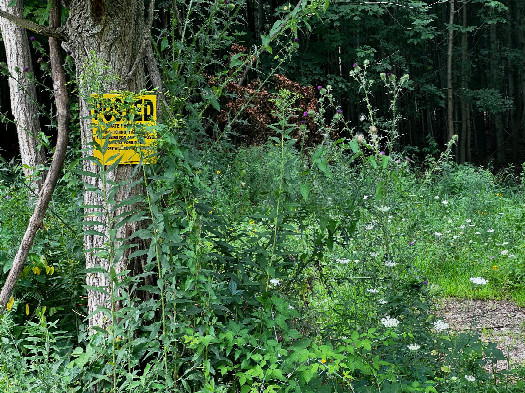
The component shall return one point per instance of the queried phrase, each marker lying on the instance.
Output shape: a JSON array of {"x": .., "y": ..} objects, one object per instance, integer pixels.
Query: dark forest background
[{"x": 399, "y": 37}]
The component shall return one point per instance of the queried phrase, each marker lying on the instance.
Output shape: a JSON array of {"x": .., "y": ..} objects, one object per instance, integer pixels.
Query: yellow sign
[{"x": 124, "y": 128}]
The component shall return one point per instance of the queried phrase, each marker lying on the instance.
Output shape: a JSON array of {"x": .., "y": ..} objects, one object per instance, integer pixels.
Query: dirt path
[{"x": 501, "y": 322}]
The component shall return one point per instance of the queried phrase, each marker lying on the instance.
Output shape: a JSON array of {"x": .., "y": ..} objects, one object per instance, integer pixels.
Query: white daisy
[
  {"x": 389, "y": 322},
  {"x": 478, "y": 280},
  {"x": 440, "y": 325}
]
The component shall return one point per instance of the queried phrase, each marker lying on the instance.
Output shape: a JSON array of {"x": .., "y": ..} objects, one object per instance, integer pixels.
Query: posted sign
[{"x": 123, "y": 128}]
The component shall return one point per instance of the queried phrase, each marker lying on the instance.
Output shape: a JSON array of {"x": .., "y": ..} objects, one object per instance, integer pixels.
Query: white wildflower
[
  {"x": 470, "y": 378},
  {"x": 438, "y": 234},
  {"x": 275, "y": 281},
  {"x": 343, "y": 261},
  {"x": 389, "y": 322},
  {"x": 504, "y": 252},
  {"x": 478, "y": 280},
  {"x": 436, "y": 197},
  {"x": 440, "y": 325},
  {"x": 469, "y": 221},
  {"x": 504, "y": 243},
  {"x": 490, "y": 230},
  {"x": 370, "y": 226},
  {"x": 373, "y": 290},
  {"x": 383, "y": 208},
  {"x": 382, "y": 301},
  {"x": 444, "y": 202},
  {"x": 413, "y": 347},
  {"x": 477, "y": 233},
  {"x": 390, "y": 263}
]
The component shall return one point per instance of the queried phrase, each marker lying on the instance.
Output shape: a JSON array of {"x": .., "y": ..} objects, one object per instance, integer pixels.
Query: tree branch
[
  {"x": 56, "y": 32},
  {"x": 62, "y": 103}
]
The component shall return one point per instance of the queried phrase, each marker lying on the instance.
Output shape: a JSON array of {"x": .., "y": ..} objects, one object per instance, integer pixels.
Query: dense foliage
[{"x": 307, "y": 261}]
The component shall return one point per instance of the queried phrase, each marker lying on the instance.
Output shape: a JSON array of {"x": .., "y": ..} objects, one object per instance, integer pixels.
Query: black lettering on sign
[{"x": 147, "y": 110}]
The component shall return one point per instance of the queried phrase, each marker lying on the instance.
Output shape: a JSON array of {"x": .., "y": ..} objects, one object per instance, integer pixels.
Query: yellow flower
[
  {"x": 218, "y": 172},
  {"x": 252, "y": 222},
  {"x": 495, "y": 267},
  {"x": 36, "y": 270},
  {"x": 499, "y": 194},
  {"x": 10, "y": 303},
  {"x": 27, "y": 309},
  {"x": 323, "y": 360}
]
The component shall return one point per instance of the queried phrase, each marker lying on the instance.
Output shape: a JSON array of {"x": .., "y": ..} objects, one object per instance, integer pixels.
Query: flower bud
[{"x": 373, "y": 130}]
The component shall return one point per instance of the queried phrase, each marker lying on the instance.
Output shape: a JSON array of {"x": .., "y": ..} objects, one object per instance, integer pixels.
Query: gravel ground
[{"x": 501, "y": 322}]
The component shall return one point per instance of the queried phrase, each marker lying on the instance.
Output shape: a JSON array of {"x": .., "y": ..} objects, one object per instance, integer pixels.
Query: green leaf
[
  {"x": 354, "y": 146},
  {"x": 164, "y": 44},
  {"x": 266, "y": 43},
  {"x": 385, "y": 159},
  {"x": 236, "y": 60},
  {"x": 305, "y": 190}
]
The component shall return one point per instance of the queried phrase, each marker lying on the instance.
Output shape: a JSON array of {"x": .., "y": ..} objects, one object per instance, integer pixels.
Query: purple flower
[
  {"x": 388, "y": 74},
  {"x": 296, "y": 39},
  {"x": 26, "y": 69},
  {"x": 305, "y": 114},
  {"x": 425, "y": 282},
  {"x": 31, "y": 38},
  {"x": 339, "y": 111},
  {"x": 355, "y": 65},
  {"x": 68, "y": 53},
  {"x": 382, "y": 152},
  {"x": 319, "y": 87},
  {"x": 411, "y": 243}
]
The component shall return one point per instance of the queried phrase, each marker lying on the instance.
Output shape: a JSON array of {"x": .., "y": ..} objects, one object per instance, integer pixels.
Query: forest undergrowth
[
  {"x": 278, "y": 268},
  {"x": 308, "y": 261}
]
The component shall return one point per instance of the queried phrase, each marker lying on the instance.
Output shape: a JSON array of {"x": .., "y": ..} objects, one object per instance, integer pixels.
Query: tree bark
[
  {"x": 63, "y": 117},
  {"x": 495, "y": 84},
  {"x": 450, "y": 98},
  {"x": 22, "y": 93},
  {"x": 112, "y": 34},
  {"x": 465, "y": 118},
  {"x": 117, "y": 31}
]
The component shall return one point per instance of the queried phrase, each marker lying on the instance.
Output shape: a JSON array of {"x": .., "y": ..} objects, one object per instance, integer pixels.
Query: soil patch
[{"x": 500, "y": 322}]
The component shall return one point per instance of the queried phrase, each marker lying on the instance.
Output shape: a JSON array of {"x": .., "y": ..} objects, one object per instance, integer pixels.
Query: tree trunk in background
[
  {"x": 520, "y": 16},
  {"x": 450, "y": 98},
  {"x": 117, "y": 32},
  {"x": 511, "y": 80},
  {"x": 464, "y": 86},
  {"x": 497, "y": 127},
  {"x": 22, "y": 91}
]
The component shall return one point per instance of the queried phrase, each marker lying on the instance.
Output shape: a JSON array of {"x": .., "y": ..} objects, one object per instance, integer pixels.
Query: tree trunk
[
  {"x": 22, "y": 91},
  {"x": 450, "y": 99},
  {"x": 117, "y": 30},
  {"x": 495, "y": 83},
  {"x": 464, "y": 86}
]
